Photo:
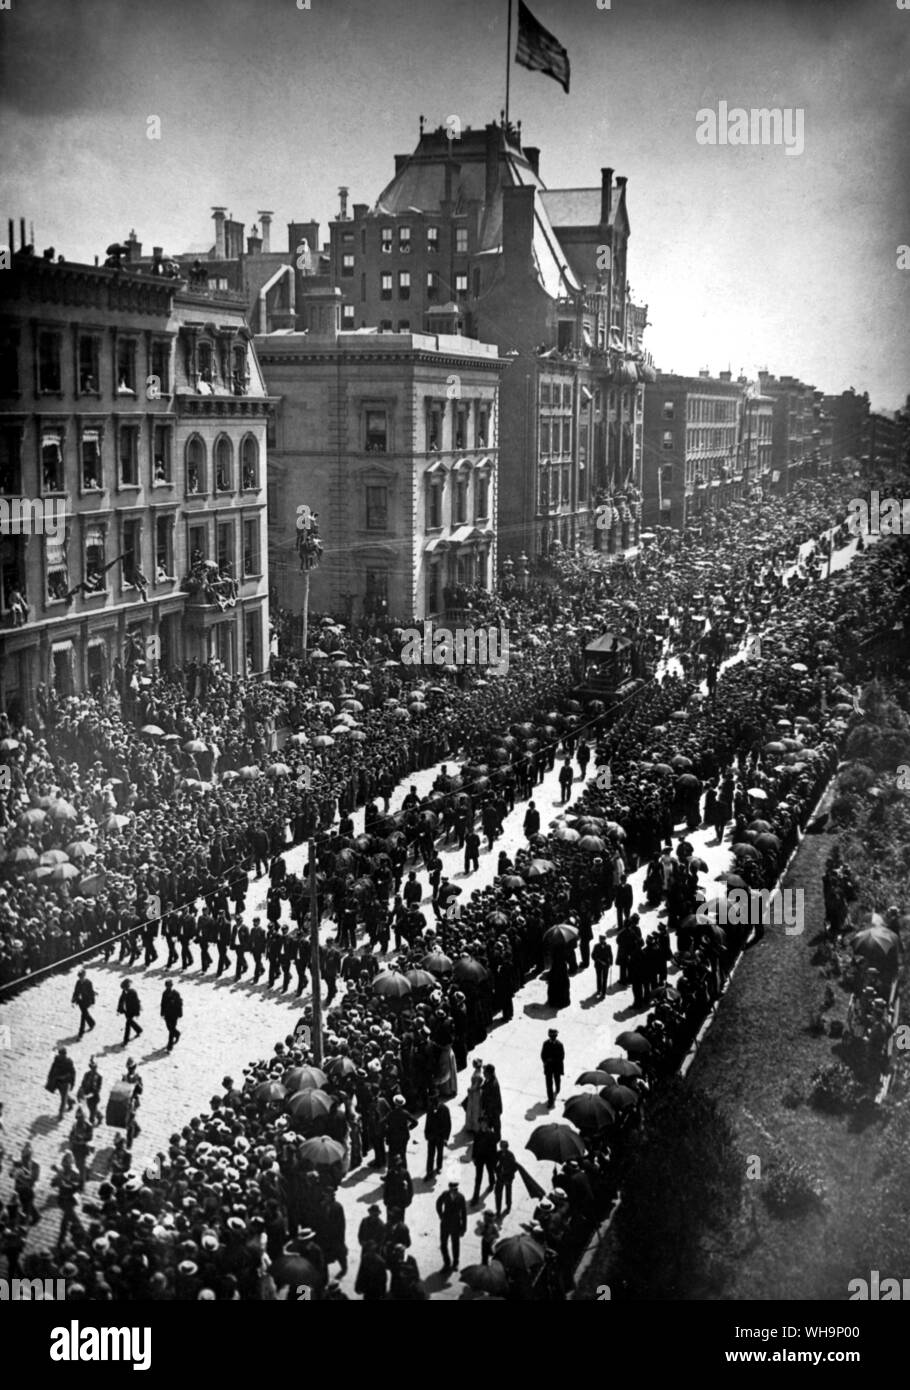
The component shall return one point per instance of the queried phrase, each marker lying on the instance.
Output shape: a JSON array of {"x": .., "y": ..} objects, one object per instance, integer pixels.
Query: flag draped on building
[{"x": 538, "y": 50}]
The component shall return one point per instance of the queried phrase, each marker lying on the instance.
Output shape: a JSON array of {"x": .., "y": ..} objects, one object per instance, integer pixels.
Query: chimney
[
  {"x": 621, "y": 182},
  {"x": 22, "y": 241},
  {"x": 133, "y": 247},
  {"x": 265, "y": 222},
  {"x": 219, "y": 214},
  {"x": 606, "y": 194},
  {"x": 517, "y": 229},
  {"x": 254, "y": 242},
  {"x": 493, "y": 145},
  {"x": 343, "y": 212},
  {"x": 360, "y": 211},
  {"x": 705, "y": 373},
  {"x": 532, "y": 155},
  {"x": 12, "y": 234}
]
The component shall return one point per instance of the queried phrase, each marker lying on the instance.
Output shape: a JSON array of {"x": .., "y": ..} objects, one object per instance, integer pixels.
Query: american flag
[{"x": 538, "y": 50}]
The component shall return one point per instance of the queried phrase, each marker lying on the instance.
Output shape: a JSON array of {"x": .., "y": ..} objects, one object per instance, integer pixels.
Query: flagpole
[{"x": 508, "y": 61}]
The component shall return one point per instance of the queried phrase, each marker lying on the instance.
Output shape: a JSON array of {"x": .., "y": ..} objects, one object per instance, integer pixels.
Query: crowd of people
[{"x": 245, "y": 1203}]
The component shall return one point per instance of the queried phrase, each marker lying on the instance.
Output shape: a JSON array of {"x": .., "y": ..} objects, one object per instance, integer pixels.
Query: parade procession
[{"x": 454, "y": 765}]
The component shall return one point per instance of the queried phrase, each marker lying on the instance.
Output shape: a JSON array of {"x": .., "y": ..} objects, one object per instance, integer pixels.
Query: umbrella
[
  {"x": 340, "y": 729},
  {"x": 54, "y": 856},
  {"x": 733, "y": 880},
  {"x": 663, "y": 768},
  {"x": 268, "y": 1092},
  {"x": 687, "y": 781},
  {"x": 33, "y": 817},
  {"x": 766, "y": 842},
  {"x": 94, "y": 883},
  {"x": 62, "y": 873},
  {"x": 357, "y": 735},
  {"x": 278, "y": 770},
  {"x": 593, "y": 843},
  {"x": 520, "y": 1254},
  {"x": 619, "y": 1096},
  {"x": 567, "y": 835},
  {"x": 512, "y": 881},
  {"x": 353, "y": 705},
  {"x": 618, "y": 1066},
  {"x": 341, "y": 1067},
  {"x": 877, "y": 944},
  {"x": 391, "y": 985},
  {"x": 153, "y": 730},
  {"x": 746, "y": 852},
  {"x": 599, "y": 1077},
  {"x": 698, "y": 864},
  {"x": 323, "y": 741},
  {"x": 555, "y": 1143},
  {"x": 295, "y": 1270},
  {"x": 634, "y": 1044},
  {"x": 437, "y": 963},
  {"x": 420, "y": 979},
  {"x": 468, "y": 971},
  {"x": 322, "y": 1152},
  {"x": 588, "y": 1112},
  {"x": 298, "y": 740},
  {"x": 303, "y": 1079},
  {"x": 489, "y": 1278},
  {"x": 115, "y": 822},
  {"x": 757, "y": 794},
  {"x": 63, "y": 810},
  {"x": 539, "y": 867},
  {"x": 561, "y": 935},
  {"x": 8, "y": 745},
  {"x": 758, "y": 826},
  {"x": 680, "y": 763},
  {"x": 311, "y": 1104},
  {"x": 195, "y": 745},
  {"x": 799, "y": 667},
  {"x": 775, "y": 747},
  {"x": 249, "y": 773}
]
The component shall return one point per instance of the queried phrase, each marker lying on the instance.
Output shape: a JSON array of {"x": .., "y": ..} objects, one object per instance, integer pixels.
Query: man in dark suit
[
  {"x": 257, "y": 947},
  {"x": 171, "y": 1012},
  {"x": 84, "y": 996},
  {"x": 437, "y": 1131},
  {"x": 471, "y": 851},
  {"x": 531, "y": 820},
  {"x": 625, "y": 901},
  {"x": 553, "y": 1056},
  {"x": 452, "y": 1210},
  {"x": 129, "y": 1005},
  {"x": 603, "y": 964}
]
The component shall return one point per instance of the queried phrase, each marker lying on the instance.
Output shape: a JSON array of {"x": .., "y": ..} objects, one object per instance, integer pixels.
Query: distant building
[
  {"x": 706, "y": 446},
  {"x": 100, "y": 417},
  {"x": 794, "y": 437},
  {"x": 393, "y": 440}
]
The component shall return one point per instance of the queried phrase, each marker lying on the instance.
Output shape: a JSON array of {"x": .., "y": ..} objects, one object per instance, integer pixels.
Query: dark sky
[{"x": 746, "y": 256}]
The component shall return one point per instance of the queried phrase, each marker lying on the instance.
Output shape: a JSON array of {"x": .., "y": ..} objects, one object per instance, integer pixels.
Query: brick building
[{"x": 694, "y": 448}]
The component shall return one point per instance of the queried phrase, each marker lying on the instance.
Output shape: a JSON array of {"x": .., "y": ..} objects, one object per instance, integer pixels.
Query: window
[
  {"x": 251, "y": 563},
  {"x": 126, "y": 366},
  {"x": 223, "y": 464},
  {"x": 161, "y": 366},
  {"x": 128, "y": 449},
  {"x": 567, "y": 485},
  {"x": 206, "y": 363},
  {"x": 88, "y": 364},
  {"x": 567, "y": 436},
  {"x": 91, "y": 460},
  {"x": 224, "y": 544},
  {"x": 434, "y": 588},
  {"x": 544, "y": 437},
  {"x": 432, "y": 238},
  {"x": 52, "y": 461},
  {"x": 404, "y": 325},
  {"x": 249, "y": 462},
  {"x": 385, "y": 287},
  {"x": 363, "y": 287},
  {"x": 404, "y": 241},
  {"x": 347, "y": 316},
  {"x": 240, "y": 372},
  {"x": 195, "y": 465},
  {"x": 376, "y": 431},
  {"x": 132, "y": 554},
  {"x": 376, "y": 595},
  {"x": 667, "y": 441},
  {"x": 567, "y": 395},
  {"x": 432, "y": 286},
  {"x": 461, "y": 286},
  {"x": 460, "y": 502},
  {"x": 483, "y": 426},
  {"x": 481, "y": 499},
  {"x": 404, "y": 284},
  {"x": 461, "y": 241},
  {"x": 49, "y": 362},
  {"x": 9, "y": 362},
  {"x": 377, "y": 499},
  {"x": 385, "y": 325},
  {"x": 434, "y": 504},
  {"x": 161, "y": 455},
  {"x": 197, "y": 544},
  {"x": 544, "y": 393},
  {"x": 347, "y": 266},
  {"x": 363, "y": 241},
  {"x": 434, "y": 426},
  {"x": 164, "y": 549},
  {"x": 385, "y": 244},
  {"x": 10, "y": 462},
  {"x": 95, "y": 571},
  {"x": 476, "y": 279},
  {"x": 56, "y": 569},
  {"x": 461, "y": 425}
]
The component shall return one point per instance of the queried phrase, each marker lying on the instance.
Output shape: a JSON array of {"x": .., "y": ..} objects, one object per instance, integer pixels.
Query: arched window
[
  {"x": 195, "y": 466},
  {"x": 249, "y": 462},
  {"x": 223, "y": 464}
]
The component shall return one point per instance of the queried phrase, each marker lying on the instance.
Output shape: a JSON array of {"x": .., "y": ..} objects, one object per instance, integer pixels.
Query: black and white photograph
[{"x": 454, "y": 687}]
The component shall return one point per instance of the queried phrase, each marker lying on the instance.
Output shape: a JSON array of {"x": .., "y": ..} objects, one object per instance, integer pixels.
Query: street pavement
[{"x": 227, "y": 1025}]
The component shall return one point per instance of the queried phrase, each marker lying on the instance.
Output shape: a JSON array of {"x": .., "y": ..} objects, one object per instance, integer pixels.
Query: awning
[
  {"x": 94, "y": 535},
  {"x": 91, "y": 437},
  {"x": 434, "y": 544},
  {"x": 461, "y": 535},
  {"x": 55, "y": 551},
  {"x": 587, "y": 394}
]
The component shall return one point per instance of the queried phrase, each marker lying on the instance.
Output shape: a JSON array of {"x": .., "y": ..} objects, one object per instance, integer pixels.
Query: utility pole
[
  {"x": 314, "y": 959},
  {"x": 309, "y": 548}
]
